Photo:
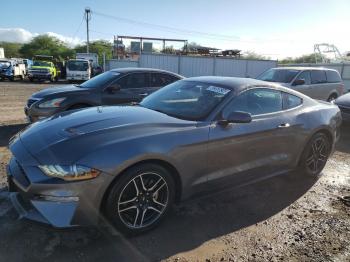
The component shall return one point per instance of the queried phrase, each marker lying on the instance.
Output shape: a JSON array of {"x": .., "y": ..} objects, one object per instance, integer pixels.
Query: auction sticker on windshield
[{"x": 218, "y": 90}]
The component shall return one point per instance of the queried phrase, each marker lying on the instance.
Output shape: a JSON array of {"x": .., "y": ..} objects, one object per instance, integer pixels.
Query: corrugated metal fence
[
  {"x": 342, "y": 68},
  {"x": 197, "y": 66}
]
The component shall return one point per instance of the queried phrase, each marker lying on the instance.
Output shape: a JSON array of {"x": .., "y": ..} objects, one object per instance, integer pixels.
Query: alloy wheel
[
  {"x": 318, "y": 155},
  {"x": 143, "y": 200}
]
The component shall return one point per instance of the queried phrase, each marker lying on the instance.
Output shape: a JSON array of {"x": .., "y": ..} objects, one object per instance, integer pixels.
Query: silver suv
[{"x": 316, "y": 82}]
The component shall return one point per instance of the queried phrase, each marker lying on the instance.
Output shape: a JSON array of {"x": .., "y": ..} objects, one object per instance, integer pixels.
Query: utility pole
[{"x": 87, "y": 18}]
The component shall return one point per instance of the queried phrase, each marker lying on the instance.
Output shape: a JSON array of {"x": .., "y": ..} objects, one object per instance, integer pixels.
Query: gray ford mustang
[{"x": 131, "y": 163}]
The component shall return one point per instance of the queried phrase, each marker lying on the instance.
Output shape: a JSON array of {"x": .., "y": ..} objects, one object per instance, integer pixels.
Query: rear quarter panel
[{"x": 318, "y": 116}]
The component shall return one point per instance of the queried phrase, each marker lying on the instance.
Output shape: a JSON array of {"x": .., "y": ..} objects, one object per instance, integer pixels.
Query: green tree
[
  {"x": 46, "y": 45},
  {"x": 11, "y": 49},
  {"x": 99, "y": 47}
]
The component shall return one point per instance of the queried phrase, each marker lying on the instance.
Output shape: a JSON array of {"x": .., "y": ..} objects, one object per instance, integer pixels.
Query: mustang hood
[
  {"x": 58, "y": 90},
  {"x": 56, "y": 139}
]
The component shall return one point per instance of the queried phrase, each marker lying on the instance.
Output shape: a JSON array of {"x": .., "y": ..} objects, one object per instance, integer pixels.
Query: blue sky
[{"x": 276, "y": 28}]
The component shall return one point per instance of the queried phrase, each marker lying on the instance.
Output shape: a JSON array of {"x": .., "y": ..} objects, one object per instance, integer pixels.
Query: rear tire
[
  {"x": 332, "y": 97},
  {"x": 315, "y": 154},
  {"x": 140, "y": 199},
  {"x": 31, "y": 79}
]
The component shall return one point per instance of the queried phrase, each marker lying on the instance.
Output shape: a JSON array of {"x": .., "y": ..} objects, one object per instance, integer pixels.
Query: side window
[
  {"x": 134, "y": 80},
  {"x": 160, "y": 79},
  {"x": 306, "y": 76},
  {"x": 333, "y": 76},
  {"x": 318, "y": 77},
  {"x": 291, "y": 101},
  {"x": 256, "y": 102}
]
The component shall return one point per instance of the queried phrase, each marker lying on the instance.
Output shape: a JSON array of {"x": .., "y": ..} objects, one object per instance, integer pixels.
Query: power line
[
  {"x": 102, "y": 33},
  {"x": 76, "y": 32},
  {"x": 169, "y": 29}
]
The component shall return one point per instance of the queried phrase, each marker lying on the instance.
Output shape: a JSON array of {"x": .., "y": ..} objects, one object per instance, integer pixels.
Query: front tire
[
  {"x": 140, "y": 199},
  {"x": 315, "y": 155}
]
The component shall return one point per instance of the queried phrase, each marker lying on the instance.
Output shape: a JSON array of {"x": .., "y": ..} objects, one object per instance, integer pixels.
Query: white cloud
[
  {"x": 68, "y": 40},
  {"x": 20, "y": 35}
]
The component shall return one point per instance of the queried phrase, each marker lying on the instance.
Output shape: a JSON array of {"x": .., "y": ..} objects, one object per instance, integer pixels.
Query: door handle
[
  {"x": 143, "y": 94},
  {"x": 284, "y": 125}
]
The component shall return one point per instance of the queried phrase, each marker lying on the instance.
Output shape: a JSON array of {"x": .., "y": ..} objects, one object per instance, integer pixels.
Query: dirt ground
[
  {"x": 286, "y": 218},
  {"x": 13, "y": 97}
]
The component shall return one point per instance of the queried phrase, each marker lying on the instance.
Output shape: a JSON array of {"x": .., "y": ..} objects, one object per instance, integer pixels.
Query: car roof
[
  {"x": 303, "y": 68},
  {"x": 239, "y": 84},
  {"x": 140, "y": 69}
]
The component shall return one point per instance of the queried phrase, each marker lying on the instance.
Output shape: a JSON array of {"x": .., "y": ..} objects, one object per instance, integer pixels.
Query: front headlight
[
  {"x": 52, "y": 103},
  {"x": 70, "y": 173}
]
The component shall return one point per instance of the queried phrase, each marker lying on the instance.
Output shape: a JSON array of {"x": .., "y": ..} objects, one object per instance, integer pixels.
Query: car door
[
  {"x": 319, "y": 85},
  {"x": 303, "y": 88},
  {"x": 132, "y": 87},
  {"x": 240, "y": 153},
  {"x": 335, "y": 85}
]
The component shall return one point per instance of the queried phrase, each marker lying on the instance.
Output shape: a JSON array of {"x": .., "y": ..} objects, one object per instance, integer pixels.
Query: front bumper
[
  {"x": 6, "y": 75},
  {"x": 77, "y": 78},
  {"x": 53, "y": 201},
  {"x": 46, "y": 76}
]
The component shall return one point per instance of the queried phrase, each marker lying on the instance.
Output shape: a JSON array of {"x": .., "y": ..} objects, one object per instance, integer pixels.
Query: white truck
[
  {"x": 92, "y": 57},
  {"x": 2, "y": 53},
  {"x": 78, "y": 70},
  {"x": 12, "y": 69}
]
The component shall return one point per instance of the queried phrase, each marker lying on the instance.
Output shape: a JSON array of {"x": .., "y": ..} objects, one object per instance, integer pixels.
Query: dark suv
[{"x": 118, "y": 86}]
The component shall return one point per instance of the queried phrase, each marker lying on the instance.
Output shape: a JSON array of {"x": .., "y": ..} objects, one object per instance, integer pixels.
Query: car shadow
[{"x": 188, "y": 226}]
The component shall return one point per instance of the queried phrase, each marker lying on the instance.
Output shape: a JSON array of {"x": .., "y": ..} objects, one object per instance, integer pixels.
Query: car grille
[
  {"x": 39, "y": 71},
  {"x": 345, "y": 110}
]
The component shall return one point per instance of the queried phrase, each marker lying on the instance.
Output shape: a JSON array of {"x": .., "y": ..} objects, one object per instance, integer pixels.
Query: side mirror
[
  {"x": 299, "y": 82},
  {"x": 113, "y": 88},
  {"x": 236, "y": 117}
]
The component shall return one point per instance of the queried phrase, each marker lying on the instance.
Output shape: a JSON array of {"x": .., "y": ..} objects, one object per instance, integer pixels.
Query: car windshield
[
  {"x": 278, "y": 75},
  {"x": 5, "y": 64},
  {"x": 41, "y": 63},
  {"x": 189, "y": 100},
  {"x": 78, "y": 65},
  {"x": 101, "y": 80}
]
